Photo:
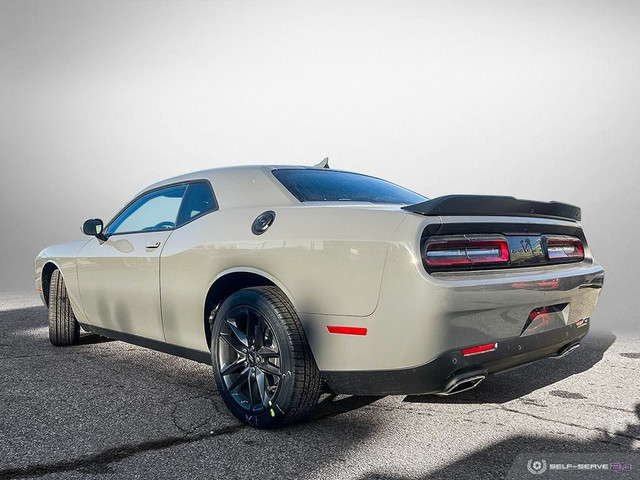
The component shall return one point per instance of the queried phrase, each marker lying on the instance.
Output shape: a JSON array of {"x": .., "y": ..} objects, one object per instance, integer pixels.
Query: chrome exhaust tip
[
  {"x": 566, "y": 350},
  {"x": 461, "y": 384}
]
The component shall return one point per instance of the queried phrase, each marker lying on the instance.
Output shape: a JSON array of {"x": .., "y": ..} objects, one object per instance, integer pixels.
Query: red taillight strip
[
  {"x": 564, "y": 248},
  {"x": 489, "y": 347},
  {"x": 466, "y": 250},
  {"x": 347, "y": 330}
]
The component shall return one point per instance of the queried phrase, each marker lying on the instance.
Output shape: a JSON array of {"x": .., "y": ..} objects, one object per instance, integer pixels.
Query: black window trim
[{"x": 215, "y": 208}]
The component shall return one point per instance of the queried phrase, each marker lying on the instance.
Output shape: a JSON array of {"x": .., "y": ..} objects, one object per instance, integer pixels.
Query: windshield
[{"x": 315, "y": 185}]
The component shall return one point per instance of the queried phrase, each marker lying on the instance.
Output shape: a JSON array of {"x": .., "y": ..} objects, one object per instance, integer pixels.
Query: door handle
[{"x": 153, "y": 245}]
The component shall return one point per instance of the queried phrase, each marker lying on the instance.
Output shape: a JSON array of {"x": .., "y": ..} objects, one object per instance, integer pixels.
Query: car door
[
  {"x": 189, "y": 260},
  {"x": 119, "y": 278}
]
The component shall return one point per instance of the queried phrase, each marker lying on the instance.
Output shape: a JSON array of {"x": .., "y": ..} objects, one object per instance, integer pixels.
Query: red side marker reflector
[
  {"x": 489, "y": 347},
  {"x": 347, "y": 330},
  {"x": 582, "y": 323},
  {"x": 39, "y": 290}
]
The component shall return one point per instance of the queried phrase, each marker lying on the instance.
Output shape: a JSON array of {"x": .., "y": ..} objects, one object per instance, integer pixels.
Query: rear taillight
[
  {"x": 465, "y": 250},
  {"x": 564, "y": 248}
]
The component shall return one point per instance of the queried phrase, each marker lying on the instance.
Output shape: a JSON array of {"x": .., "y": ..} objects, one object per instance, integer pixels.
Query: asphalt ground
[{"x": 106, "y": 409}]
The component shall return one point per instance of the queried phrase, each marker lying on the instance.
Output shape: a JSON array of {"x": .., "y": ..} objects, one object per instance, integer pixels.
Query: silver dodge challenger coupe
[{"x": 293, "y": 279}]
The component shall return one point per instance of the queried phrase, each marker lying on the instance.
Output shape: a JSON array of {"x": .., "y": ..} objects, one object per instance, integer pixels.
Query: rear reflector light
[
  {"x": 545, "y": 310},
  {"x": 347, "y": 330},
  {"x": 564, "y": 248},
  {"x": 539, "y": 317},
  {"x": 582, "y": 323},
  {"x": 489, "y": 347},
  {"x": 467, "y": 250}
]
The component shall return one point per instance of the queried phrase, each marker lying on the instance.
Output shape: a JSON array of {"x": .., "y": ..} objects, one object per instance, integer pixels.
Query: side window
[
  {"x": 157, "y": 210},
  {"x": 197, "y": 201}
]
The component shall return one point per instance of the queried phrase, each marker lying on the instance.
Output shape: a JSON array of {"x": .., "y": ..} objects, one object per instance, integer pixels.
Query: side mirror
[{"x": 94, "y": 228}]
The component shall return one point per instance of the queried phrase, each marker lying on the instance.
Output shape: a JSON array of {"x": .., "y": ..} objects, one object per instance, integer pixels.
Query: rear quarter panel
[{"x": 329, "y": 260}]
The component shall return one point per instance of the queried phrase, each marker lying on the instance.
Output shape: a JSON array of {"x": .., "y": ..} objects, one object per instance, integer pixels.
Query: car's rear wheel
[
  {"x": 262, "y": 363},
  {"x": 64, "y": 329}
]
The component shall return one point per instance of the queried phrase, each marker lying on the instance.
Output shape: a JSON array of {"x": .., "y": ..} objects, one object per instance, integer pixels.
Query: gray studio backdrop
[{"x": 535, "y": 99}]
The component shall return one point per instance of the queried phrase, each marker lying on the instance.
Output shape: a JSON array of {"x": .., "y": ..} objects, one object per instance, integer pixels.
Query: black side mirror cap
[{"x": 94, "y": 227}]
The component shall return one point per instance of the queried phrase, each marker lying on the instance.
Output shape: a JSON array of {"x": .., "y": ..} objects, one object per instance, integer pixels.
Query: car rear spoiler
[{"x": 490, "y": 205}]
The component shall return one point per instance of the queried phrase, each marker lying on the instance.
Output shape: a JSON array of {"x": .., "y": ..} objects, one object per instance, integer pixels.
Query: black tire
[
  {"x": 278, "y": 334},
  {"x": 64, "y": 329}
]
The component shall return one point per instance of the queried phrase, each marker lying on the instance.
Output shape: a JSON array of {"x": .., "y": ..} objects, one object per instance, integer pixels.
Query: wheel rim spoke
[
  {"x": 240, "y": 379},
  {"x": 233, "y": 342},
  {"x": 239, "y": 334},
  {"x": 234, "y": 367},
  {"x": 260, "y": 328},
  {"x": 252, "y": 321},
  {"x": 267, "y": 352},
  {"x": 251, "y": 376},
  {"x": 270, "y": 369},
  {"x": 261, "y": 382}
]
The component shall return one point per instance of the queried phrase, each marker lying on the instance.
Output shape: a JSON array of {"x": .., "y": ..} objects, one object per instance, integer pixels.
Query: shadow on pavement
[
  {"x": 103, "y": 402},
  {"x": 92, "y": 339},
  {"x": 495, "y": 461},
  {"x": 331, "y": 406}
]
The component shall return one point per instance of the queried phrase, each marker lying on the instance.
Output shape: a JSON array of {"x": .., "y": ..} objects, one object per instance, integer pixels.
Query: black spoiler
[{"x": 490, "y": 205}]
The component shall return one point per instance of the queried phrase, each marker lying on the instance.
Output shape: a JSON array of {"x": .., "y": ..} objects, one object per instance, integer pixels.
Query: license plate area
[{"x": 526, "y": 250}]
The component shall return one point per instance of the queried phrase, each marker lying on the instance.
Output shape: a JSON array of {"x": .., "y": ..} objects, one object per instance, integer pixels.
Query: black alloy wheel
[{"x": 262, "y": 363}]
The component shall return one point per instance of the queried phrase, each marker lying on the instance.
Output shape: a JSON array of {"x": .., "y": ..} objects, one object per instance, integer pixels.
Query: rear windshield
[{"x": 325, "y": 185}]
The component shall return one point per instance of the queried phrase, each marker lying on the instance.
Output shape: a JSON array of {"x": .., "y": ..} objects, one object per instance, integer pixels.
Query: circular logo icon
[{"x": 537, "y": 466}]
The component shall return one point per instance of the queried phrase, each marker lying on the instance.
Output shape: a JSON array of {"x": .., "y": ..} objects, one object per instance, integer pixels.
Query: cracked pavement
[{"x": 106, "y": 409}]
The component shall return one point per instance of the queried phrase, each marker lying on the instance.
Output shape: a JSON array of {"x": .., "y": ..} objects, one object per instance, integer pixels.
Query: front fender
[{"x": 62, "y": 257}]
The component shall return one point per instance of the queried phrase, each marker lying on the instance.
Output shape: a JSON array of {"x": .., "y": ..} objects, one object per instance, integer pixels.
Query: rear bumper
[{"x": 436, "y": 375}]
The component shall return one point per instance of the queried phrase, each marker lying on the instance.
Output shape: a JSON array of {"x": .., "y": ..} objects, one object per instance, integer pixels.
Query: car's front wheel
[
  {"x": 262, "y": 363},
  {"x": 64, "y": 329}
]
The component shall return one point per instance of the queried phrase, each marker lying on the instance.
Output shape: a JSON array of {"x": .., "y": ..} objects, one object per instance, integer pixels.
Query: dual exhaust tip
[
  {"x": 566, "y": 350},
  {"x": 463, "y": 382}
]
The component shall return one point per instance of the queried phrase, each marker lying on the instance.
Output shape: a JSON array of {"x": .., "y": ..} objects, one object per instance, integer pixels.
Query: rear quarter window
[{"x": 315, "y": 185}]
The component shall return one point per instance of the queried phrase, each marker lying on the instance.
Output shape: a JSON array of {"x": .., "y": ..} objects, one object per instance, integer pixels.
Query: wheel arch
[
  {"x": 47, "y": 271},
  {"x": 229, "y": 282}
]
